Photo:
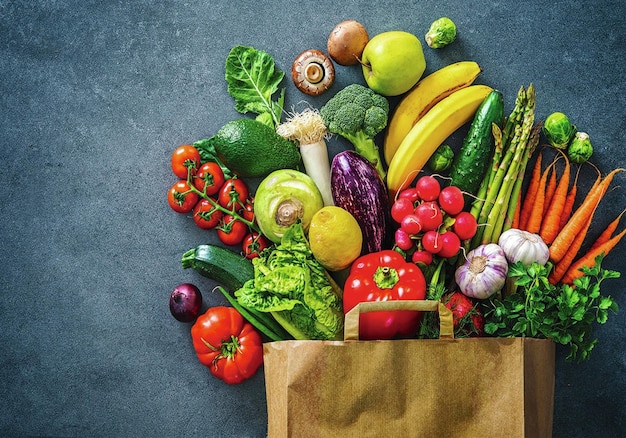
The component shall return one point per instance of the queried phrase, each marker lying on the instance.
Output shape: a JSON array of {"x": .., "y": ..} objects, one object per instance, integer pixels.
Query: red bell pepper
[
  {"x": 227, "y": 344},
  {"x": 381, "y": 276}
]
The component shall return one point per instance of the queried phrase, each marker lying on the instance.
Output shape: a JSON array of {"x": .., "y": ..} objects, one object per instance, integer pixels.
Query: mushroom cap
[{"x": 313, "y": 72}]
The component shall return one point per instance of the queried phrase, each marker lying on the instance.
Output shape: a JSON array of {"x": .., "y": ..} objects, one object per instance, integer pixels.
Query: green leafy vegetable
[
  {"x": 252, "y": 81},
  {"x": 561, "y": 312},
  {"x": 295, "y": 288}
]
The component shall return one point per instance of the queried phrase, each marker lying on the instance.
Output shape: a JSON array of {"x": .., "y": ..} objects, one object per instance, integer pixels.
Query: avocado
[{"x": 253, "y": 149}]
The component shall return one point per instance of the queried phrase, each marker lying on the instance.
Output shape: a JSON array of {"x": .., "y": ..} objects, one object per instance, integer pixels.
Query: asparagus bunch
[{"x": 499, "y": 192}]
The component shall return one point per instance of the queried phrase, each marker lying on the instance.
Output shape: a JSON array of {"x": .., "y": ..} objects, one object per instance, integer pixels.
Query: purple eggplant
[{"x": 357, "y": 187}]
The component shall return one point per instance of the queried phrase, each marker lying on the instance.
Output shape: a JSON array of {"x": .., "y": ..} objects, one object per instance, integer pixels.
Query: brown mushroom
[{"x": 313, "y": 72}]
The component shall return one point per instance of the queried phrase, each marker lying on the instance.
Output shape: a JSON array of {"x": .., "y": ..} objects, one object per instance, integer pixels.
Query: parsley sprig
[{"x": 561, "y": 312}]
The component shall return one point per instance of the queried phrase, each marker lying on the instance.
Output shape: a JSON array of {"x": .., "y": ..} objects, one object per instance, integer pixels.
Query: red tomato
[
  {"x": 227, "y": 344},
  {"x": 231, "y": 231},
  {"x": 180, "y": 198},
  {"x": 253, "y": 244},
  {"x": 206, "y": 215},
  {"x": 233, "y": 194},
  {"x": 184, "y": 157},
  {"x": 210, "y": 176},
  {"x": 248, "y": 210}
]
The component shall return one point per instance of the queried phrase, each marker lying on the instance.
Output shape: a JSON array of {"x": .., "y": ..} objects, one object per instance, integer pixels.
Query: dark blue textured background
[{"x": 94, "y": 98}]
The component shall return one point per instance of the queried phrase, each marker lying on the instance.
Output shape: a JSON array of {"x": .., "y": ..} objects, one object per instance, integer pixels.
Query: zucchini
[
  {"x": 231, "y": 270},
  {"x": 220, "y": 264},
  {"x": 474, "y": 157}
]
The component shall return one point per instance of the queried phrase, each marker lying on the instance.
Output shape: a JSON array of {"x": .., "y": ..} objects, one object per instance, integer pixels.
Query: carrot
[
  {"x": 536, "y": 215},
  {"x": 569, "y": 202},
  {"x": 550, "y": 189},
  {"x": 584, "y": 211},
  {"x": 563, "y": 265},
  {"x": 531, "y": 193},
  {"x": 589, "y": 258},
  {"x": 552, "y": 217},
  {"x": 608, "y": 232}
]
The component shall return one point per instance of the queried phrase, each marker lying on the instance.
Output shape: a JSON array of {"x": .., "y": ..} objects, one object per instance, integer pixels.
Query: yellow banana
[
  {"x": 430, "y": 132},
  {"x": 428, "y": 91}
]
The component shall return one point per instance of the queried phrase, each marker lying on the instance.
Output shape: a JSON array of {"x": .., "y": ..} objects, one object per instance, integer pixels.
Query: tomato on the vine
[
  {"x": 233, "y": 194},
  {"x": 181, "y": 198},
  {"x": 231, "y": 231},
  {"x": 253, "y": 244},
  {"x": 206, "y": 215},
  {"x": 210, "y": 176},
  {"x": 184, "y": 157},
  {"x": 248, "y": 210}
]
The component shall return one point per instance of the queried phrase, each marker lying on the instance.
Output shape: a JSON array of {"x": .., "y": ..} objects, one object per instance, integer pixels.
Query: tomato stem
[{"x": 216, "y": 205}]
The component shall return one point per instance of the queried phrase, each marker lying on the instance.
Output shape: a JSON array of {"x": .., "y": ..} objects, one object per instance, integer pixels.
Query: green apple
[{"x": 393, "y": 62}]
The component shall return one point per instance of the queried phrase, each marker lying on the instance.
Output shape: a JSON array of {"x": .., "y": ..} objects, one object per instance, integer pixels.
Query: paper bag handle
[{"x": 446, "y": 327}]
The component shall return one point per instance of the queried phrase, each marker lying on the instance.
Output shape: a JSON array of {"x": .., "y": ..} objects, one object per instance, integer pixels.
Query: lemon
[{"x": 335, "y": 238}]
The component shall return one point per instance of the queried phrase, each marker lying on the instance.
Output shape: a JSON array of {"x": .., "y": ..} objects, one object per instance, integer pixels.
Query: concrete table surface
[{"x": 94, "y": 98}]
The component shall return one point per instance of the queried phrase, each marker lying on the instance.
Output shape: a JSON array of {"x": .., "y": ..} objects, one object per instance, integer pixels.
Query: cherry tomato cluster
[
  {"x": 431, "y": 220},
  {"x": 216, "y": 201}
]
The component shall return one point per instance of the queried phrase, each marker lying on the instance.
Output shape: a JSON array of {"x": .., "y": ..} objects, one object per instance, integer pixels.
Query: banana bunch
[{"x": 436, "y": 107}]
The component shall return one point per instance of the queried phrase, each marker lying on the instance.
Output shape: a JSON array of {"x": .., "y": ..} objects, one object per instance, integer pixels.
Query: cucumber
[
  {"x": 220, "y": 264},
  {"x": 474, "y": 157}
]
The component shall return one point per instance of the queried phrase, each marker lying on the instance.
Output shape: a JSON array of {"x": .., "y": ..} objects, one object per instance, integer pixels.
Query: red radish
[
  {"x": 429, "y": 214},
  {"x": 410, "y": 194},
  {"x": 450, "y": 244},
  {"x": 423, "y": 257},
  {"x": 400, "y": 208},
  {"x": 465, "y": 225},
  {"x": 411, "y": 224},
  {"x": 467, "y": 318},
  {"x": 451, "y": 200},
  {"x": 431, "y": 241},
  {"x": 403, "y": 240},
  {"x": 428, "y": 188}
]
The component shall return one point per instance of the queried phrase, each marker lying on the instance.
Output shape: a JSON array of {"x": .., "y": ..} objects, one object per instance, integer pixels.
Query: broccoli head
[{"x": 358, "y": 114}]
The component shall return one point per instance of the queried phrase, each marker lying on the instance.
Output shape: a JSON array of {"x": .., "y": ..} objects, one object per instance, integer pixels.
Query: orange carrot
[
  {"x": 550, "y": 189},
  {"x": 589, "y": 258},
  {"x": 569, "y": 202},
  {"x": 563, "y": 265},
  {"x": 536, "y": 215},
  {"x": 608, "y": 232},
  {"x": 573, "y": 226},
  {"x": 531, "y": 193},
  {"x": 552, "y": 217}
]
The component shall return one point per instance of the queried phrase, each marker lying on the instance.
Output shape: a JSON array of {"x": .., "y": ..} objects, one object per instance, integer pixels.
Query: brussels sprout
[
  {"x": 558, "y": 130},
  {"x": 441, "y": 33},
  {"x": 580, "y": 149},
  {"x": 442, "y": 158}
]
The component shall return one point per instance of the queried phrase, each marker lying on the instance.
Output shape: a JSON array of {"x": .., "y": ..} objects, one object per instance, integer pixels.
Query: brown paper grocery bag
[{"x": 474, "y": 387}]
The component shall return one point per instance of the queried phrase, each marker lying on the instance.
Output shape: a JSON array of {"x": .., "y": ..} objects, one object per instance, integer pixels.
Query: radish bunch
[{"x": 431, "y": 220}]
